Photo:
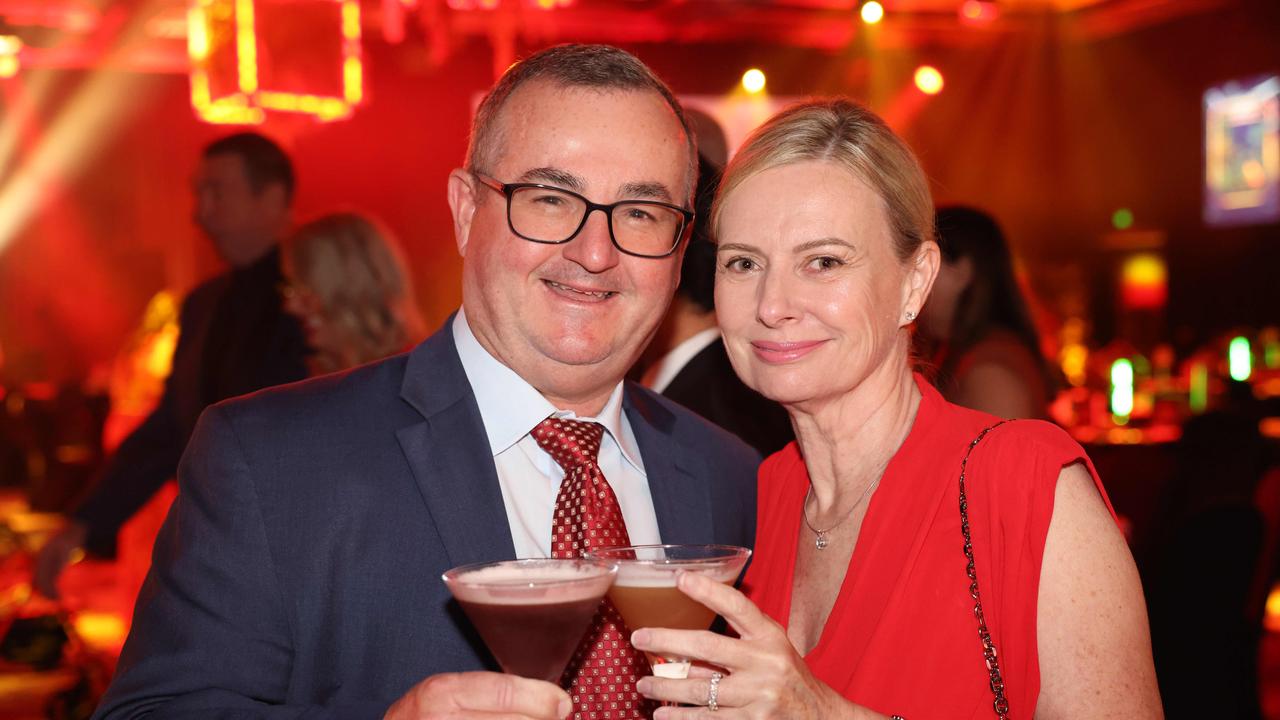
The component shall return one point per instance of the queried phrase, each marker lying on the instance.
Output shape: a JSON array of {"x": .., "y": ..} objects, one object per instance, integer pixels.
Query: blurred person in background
[
  {"x": 345, "y": 281},
  {"x": 687, "y": 361},
  {"x": 235, "y": 338},
  {"x": 977, "y": 325}
]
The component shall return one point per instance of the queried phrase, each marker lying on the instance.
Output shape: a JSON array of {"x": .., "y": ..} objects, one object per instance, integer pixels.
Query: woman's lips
[{"x": 783, "y": 352}]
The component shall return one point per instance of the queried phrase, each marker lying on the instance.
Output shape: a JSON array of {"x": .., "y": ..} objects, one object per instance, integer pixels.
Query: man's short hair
[
  {"x": 698, "y": 269},
  {"x": 264, "y": 161},
  {"x": 591, "y": 66}
]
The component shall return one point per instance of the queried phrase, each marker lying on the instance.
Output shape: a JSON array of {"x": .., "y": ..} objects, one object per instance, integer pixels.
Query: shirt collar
[
  {"x": 673, "y": 362},
  {"x": 510, "y": 407}
]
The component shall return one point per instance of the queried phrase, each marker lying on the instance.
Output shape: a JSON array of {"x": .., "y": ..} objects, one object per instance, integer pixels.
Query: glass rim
[
  {"x": 456, "y": 575},
  {"x": 726, "y": 553}
]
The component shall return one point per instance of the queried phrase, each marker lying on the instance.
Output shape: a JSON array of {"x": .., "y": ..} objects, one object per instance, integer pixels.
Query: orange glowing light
[
  {"x": 928, "y": 80},
  {"x": 197, "y": 34},
  {"x": 100, "y": 630},
  {"x": 246, "y": 47},
  {"x": 753, "y": 81},
  {"x": 1144, "y": 281},
  {"x": 1272, "y": 618},
  {"x": 546, "y": 4},
  {"x": 10, "y": 46},
  {"x": 978, "y": 11},
  {"x": 872, "y": 12}
]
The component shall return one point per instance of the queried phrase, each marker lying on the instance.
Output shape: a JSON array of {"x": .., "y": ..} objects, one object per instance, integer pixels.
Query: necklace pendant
[{"x": 820, "y": 541}]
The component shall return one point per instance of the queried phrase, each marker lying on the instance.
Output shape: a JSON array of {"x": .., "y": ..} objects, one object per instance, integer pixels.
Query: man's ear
[
  {"x": 964, "y": 270},
  {"x": 462, "y": 203},
  {"x": 921, "y": 272}
]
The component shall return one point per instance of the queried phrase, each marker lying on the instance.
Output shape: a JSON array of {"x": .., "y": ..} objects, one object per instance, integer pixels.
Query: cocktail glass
[
  {"x": 531, "y": 613},
  {"x": 645, "y": 592}
]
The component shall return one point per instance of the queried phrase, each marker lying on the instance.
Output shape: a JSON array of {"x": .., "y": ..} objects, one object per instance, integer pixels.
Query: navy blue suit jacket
[{"x": 298, "y": 573}]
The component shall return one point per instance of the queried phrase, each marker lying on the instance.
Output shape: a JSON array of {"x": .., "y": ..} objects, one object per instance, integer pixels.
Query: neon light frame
[{"x": 248, "y": 106}]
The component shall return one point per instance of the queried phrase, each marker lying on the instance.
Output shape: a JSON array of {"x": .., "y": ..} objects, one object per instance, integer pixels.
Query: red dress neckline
[{"x": 891, "y": 483}]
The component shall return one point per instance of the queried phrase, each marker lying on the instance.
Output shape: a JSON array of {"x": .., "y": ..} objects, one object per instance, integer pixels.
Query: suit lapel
[
  {"x": 450, "y": 457},
  {"x": 681, "y": 503}
]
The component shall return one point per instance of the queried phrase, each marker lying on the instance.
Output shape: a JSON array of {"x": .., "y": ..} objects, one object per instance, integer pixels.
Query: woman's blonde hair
[
  {"x": 840, "y": 131},
  {"x": 352, "y": 265}
]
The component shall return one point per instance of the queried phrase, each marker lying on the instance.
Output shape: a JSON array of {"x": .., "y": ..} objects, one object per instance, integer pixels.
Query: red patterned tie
[{"x": 605, "y": 667}]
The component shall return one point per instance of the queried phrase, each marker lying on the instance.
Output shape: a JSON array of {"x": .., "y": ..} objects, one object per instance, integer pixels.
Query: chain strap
[{"x": 1000, "y": 704}]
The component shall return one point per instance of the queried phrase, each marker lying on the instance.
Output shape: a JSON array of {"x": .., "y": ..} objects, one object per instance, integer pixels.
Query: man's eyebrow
[
  {"x": 645, "y": 191},
  {"x": 553, "y": 176}
]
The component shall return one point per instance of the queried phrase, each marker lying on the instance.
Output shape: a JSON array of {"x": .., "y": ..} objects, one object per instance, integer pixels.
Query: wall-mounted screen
[{"x": 1242, "y": 152}]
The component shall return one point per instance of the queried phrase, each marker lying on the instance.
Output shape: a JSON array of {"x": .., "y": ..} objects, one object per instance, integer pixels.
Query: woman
[
  {"x": 347, "y": 285},
  {"x": 987, "y": 350},
  {"x": 857, "y": 602}
]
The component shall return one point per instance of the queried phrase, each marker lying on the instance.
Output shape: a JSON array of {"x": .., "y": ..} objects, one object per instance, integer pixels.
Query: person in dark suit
[
  {"x": 688, "y": 362},
  {"x": 235, "y": 338},
  {"x": 299, "y": 571}
]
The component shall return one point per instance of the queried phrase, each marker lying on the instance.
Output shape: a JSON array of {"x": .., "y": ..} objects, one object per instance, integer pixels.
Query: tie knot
[{"x": 569, "y": 442}]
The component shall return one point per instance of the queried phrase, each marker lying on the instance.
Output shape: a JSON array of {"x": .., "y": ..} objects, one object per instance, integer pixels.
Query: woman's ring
[{"x": 713, "y": 691}]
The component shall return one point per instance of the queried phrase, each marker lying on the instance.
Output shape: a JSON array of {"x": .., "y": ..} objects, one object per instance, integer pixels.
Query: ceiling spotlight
[
  {"x": 929, "y": 80},
  {"x": 753, "y": 81},
  {"x": 872, "y": 12}
]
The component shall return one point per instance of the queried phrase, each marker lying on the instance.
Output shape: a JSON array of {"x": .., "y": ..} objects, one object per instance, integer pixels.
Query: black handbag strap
[{"x": 1000, "y": 704}]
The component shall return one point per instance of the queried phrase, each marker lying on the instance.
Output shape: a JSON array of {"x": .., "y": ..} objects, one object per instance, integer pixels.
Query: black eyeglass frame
[{"x": 509, "y": 189}]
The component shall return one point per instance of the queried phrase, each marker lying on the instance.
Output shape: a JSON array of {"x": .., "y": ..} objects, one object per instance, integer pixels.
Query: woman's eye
[
  {"x": 825, "y": 263},
  {"x": 740, "y": 264}
]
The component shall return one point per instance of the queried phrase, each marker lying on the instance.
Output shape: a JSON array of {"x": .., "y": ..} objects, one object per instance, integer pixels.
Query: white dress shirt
[
  {"x": 673, "y": 362},
  {"x": 529, "y": 478}
]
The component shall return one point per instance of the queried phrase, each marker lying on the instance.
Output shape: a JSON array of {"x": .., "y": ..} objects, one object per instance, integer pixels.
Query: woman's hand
[{"x": 764, "y": 676}]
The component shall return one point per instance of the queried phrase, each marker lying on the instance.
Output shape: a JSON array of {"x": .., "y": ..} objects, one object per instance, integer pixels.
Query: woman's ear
[{"x": 922, "y": 270}]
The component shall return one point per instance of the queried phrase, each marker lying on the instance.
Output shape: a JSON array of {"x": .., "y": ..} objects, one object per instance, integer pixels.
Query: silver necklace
[{"x": 820, "y": 539}]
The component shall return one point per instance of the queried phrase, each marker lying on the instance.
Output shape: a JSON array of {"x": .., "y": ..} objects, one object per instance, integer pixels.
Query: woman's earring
[{"x": 911, "y": 316}]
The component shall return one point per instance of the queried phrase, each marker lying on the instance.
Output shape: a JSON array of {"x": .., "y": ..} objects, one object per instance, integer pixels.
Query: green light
[
  {"x": 1239, "y": 359},
  {"x": 1122, "y": 219},
  {"x": 1198, "y": 393},
  {"x": 1121, "y": 389},
  {"x": 1271, "y": 348}
]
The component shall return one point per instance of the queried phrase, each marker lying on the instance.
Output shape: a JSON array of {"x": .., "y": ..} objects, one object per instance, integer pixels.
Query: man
[
  {"x": 688, "y": 362},
  {"x": 299, "y": 571},
  {"x": 235, "y": 338}
]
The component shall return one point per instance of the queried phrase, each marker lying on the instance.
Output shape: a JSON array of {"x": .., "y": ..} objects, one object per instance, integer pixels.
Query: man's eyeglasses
[{"x": 547, "y": 214}]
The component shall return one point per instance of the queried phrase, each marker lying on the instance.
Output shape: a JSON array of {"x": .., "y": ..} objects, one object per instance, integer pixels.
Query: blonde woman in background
[{"x": 345, "y": 280}]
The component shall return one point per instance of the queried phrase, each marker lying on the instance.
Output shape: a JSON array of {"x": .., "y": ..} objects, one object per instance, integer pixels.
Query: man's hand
[
  {"x": 482, "y": 695},
  {"x": 56, "y": 555}
]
